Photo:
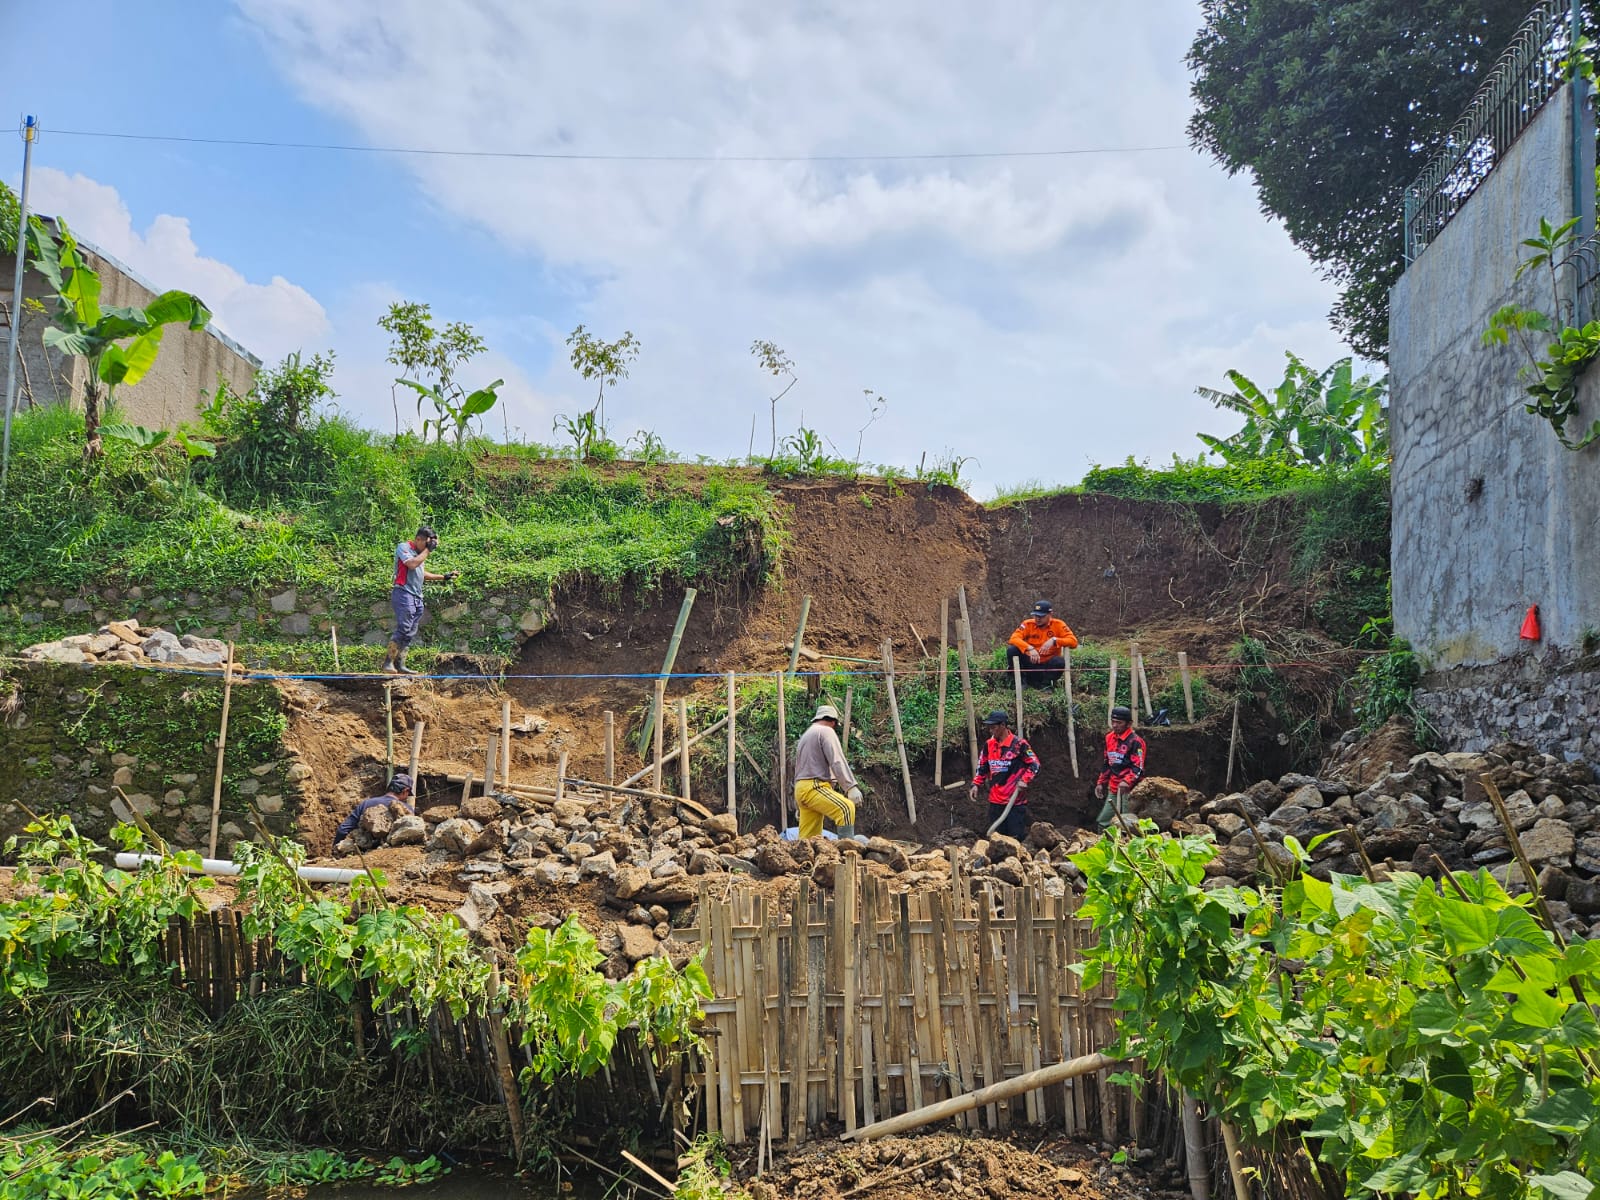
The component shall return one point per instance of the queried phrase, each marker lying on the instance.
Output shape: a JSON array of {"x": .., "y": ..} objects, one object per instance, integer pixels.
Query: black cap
[
  {"x": 1042, "y": 609},
  {"x": 1122, "y": 713},
  {"x": 997, "y": 717}
]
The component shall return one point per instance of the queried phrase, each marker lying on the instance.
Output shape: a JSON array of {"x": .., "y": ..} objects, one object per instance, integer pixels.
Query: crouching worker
[
  {"x": 1041, "y": 643},
  {"x": 399, "y": 793},
  {"x": 824, "y": 786},
  {"x": 1124, "y": 766},
  {"x": 1009, "y": 765}
]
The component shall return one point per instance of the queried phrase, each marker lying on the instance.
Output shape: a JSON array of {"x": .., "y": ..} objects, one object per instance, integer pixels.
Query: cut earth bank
[{"x": 875, "y": 559}]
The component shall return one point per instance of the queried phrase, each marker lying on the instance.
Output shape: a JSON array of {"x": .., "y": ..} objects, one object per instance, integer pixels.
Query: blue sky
[{"x": 990, "y": 300}]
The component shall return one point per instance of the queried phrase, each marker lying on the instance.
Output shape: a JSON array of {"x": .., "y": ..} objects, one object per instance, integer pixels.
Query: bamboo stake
[
  {"x": 656, "y": 713},
  {"x": 963, "y": 650},
  {"x": 466, "y": 786},
  {"x": 1072, "y": 732},
  {"x": 1044, "y": 1077},
  {"x": 844, "y": 734},
  {"x": 1188, "y": 692},
  {"x": 683, "y": 747},
  {"x": 505, "y": 742},
  {"x": 222, "y": 749},
  {"x": 388, "y": 720},
  {"x": 561, "y": 777},
  {"x": 1233, "y": 742},
  {"x": 693, "y": 806},
  {"x": 1133, "y": 682},
  {"x": 502, "y": 1061},
  {"x": 611, "y": 745},
  {"x": 489, "y": 766},
  {"x": 1016, "y": 675},
  {"x": 899, "y": 735},
  {"x": 333, "y": 632},
  {"x": 733, "y": 787},
  {"x": 416, "y": 751},
  {"x": 944, "y": 681},
  {"x": 1194, "y": 1149},
  {"x": 783, "y": 757},
  {"x": 667, "y": 664},
  {"x": 1144, "y": 688},
  {"x": 1230, "y": 1142},
  {"x": 1111, "y": 691},
  {"x": 799, "y": 635}
]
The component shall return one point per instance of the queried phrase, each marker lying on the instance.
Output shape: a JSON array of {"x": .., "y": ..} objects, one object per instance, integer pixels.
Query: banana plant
[
  {"x": 459, "y": 414},
  {"x": 119, "y": 343},
  {"x": 1320, "y": 418}
]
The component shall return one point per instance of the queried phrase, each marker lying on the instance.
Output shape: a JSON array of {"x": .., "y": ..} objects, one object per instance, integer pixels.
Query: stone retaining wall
[
  {"x": 71, "y": 735},
  {"x": 455, "y": 617},
  {"x": 1551, "y": 703}
]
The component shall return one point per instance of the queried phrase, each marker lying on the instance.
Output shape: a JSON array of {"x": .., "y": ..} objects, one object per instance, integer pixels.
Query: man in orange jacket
[{"x": 1041, "y": 642}]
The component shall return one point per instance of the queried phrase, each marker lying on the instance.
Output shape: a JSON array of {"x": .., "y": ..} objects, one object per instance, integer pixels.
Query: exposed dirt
[{"x": 1020, "y": 1167}]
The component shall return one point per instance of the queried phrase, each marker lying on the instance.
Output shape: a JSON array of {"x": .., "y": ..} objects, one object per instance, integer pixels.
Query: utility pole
[{"x": 30, "y": 130}]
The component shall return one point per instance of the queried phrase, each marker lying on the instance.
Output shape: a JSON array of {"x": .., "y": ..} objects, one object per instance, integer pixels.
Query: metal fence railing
[
  {"x": 1585, "y": 266},
  {"x": 1527, "y": 75}
]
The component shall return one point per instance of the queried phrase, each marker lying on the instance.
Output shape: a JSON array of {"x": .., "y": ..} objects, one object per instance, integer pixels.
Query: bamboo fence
[{"x": 853, "y": 1005}]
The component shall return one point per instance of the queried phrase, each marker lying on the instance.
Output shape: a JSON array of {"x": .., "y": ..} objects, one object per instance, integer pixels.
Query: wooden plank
[
  {"x": 845, "y": 927},
  {"x": 819, "y": 1061},
  {"x": 773, "y": 1000},
  {"x": 921, "y": 1039},
  {"x": 713, "y": 1054},
  {"x": 954, "y": 969},
  {"x": 796, "y": 1034},
  {"x": 1019, "y": 964},
  {"x": 989, "y": 1030}
]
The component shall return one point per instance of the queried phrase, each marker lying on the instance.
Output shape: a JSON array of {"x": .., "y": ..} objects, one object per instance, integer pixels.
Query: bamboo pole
[
  {"x": 611, "y": 745},
  {"x": 844, "y": 734},
  {"x": 388, "y": 721},
  {"x": 1072, "y": 731},
  {"x": 489, "y": 765},
  {"x": 1188, "y": 692},
  {"x": 683, "y": 747},
  {"x": 222, "y": 750},
  {"x": 1133, "y": 682},
  {"x": 333, "y": 632},
  {"x": 1111, "y": 691},
  {"x": 1016, "y": 675},
  {"x": 1194, "y": 1149},
  {"x": 963, "y": 650},
  {"x": 783, "y": 757},
  {"x": 899, "y": 735},
  {"x": 505, "y": 741},
  {"x": 1233, "y": 742},
  {"x": 1144, "y": 688},
  {"x": 561, "y": 777},
  {"x": 733, "y": 787},
  {"x": 416, "y": 751},
  {"x": 1230, "y": 1143},
  {"x": 466, "y": 787},
  {"x": 503, "y": 1063},
  {"x": 1044, "y": 1077},
  {"x": 667, "y": 664},
  {"x": 799, "y": 635},
  {"x": 944, "y": 681},
  {"x": 656, "y": 721},
  {"x": 693, "y": 806}
]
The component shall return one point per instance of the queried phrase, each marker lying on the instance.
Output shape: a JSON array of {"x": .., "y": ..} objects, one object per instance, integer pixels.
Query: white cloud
[
  {"x": 988, "y": 299},
  {"x": 269, "y": 319}
]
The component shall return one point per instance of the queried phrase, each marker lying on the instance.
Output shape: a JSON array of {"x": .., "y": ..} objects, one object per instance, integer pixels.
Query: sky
[{"x": 1033, "y": 314}]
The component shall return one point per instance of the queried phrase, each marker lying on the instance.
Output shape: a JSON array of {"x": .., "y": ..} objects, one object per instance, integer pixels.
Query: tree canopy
[{"x": 1334, "y": 106}]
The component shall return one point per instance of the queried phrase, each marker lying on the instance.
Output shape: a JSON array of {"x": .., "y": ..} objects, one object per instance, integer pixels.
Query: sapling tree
[
  {"x": 119, "y": 344},
  {"x": 776, "y": 363},
  {"x": 602, "y": 362},
  {"x": 430, "y": 358}
]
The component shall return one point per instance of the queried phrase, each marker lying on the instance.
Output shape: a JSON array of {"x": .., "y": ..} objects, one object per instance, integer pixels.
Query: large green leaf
[
  {"x": 83, "y": 293},
  {"x": 1563, "y": 1185},
  {"x": 138, "y": 435},
  {"x": 129, "y": 364},
  {"x": 73, "y": 341},
  {"x": 480, "y": 401},
  {"x": 171, "y": 307}
]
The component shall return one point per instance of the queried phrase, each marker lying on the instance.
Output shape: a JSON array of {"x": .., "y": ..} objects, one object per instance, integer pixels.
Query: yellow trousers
[{"x": 816, "y": 799}]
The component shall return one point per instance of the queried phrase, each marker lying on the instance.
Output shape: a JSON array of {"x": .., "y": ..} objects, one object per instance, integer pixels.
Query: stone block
[
  {"x": 295, "y": 625},
  {"x": 285, "y": 601}
]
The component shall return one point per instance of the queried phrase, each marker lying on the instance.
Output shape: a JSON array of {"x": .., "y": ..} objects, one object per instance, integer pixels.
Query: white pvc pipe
[{"x": 221, "y": 866}]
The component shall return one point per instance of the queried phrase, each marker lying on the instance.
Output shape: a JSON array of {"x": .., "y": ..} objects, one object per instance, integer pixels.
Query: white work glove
[{"x": 854, "y": 794}]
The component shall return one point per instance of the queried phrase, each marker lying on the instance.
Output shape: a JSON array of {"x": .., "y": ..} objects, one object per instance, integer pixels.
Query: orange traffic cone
[{"x": 1530, "y": 624}]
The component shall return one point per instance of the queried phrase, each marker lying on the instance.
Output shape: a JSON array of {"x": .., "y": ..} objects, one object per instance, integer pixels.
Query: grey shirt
[
  {"x": 408, "y": 578},
  {"x": 818, "y": 755}
]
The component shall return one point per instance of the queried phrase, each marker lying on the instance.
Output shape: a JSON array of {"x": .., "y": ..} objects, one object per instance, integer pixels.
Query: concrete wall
[
  {"x": 186, "y": 370},
  {"x": 1491, "y": 513}
]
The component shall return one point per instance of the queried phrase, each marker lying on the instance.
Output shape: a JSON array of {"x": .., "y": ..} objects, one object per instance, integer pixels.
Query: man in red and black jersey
[
  {"x": 1009, "y": 765},
  {"x": 1124, "y": 766}
]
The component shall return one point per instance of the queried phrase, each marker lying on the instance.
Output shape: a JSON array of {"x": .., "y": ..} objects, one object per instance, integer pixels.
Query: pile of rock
[
  {"x": 1436, "y": 810},
  {"x": 127, "y": 641}
]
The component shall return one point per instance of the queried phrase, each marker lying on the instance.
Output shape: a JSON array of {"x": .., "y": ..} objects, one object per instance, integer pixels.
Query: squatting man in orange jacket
[{"x": 1041, "y": 642}]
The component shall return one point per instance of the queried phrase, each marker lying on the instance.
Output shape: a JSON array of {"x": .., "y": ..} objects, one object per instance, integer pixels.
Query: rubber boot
[
  {"x": 390, "y": 666},
  {"x": 400, "y": 665},
  {"x": 847, "y": 833}
]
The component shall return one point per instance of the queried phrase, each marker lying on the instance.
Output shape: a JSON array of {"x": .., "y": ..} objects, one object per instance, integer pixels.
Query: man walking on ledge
[
  {"x": 405, "y": 597},
  {"x": 823, "y": 783}
]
